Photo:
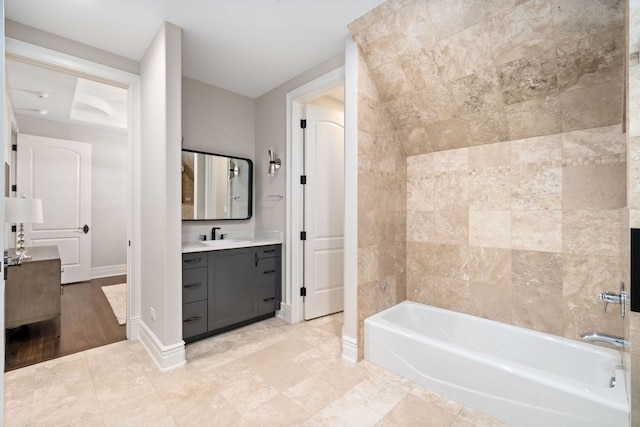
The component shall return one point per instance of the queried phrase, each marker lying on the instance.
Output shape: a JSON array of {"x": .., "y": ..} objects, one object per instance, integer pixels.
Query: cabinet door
[{"x": 231, "y": 294}]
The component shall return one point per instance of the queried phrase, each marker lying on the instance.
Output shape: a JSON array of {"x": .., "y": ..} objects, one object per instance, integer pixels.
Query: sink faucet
[
  {"x": 614, "y": 341},
  {"x": 213, "y": 232}
]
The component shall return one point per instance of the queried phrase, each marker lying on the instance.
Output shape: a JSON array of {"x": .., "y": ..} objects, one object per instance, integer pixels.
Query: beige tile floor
[{"x": 266, "y": 374}]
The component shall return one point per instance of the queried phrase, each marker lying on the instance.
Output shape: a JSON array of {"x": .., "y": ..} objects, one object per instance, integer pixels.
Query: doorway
[
  {"x": 122, "y": 270},
  {"x": 315, "y": 208}
]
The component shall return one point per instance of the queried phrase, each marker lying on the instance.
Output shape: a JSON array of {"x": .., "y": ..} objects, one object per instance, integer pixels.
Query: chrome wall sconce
[{"x": 274, "y": 162}]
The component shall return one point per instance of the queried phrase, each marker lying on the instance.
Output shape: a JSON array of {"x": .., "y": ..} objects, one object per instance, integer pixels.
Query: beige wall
[{"x": 510, "y": 116}]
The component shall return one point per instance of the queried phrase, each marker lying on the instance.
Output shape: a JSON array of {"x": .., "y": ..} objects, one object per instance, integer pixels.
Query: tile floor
[{"x": 266, "y": 374}]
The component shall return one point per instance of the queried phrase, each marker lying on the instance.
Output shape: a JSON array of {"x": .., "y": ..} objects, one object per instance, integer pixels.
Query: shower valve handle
[{"x": 613, "y": 298}]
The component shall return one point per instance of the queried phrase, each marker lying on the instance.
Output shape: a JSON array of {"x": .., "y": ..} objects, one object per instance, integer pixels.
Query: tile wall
[
  {"x": 510, "y": 115},
  {"x": 381, "y": 207}
]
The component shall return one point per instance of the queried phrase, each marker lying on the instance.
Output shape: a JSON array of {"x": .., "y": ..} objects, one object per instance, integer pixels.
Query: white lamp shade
[{"x": 20, "y": 209}]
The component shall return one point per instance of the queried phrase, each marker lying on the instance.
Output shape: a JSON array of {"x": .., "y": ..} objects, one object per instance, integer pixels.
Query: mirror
[{"x": 215, "y": 187}]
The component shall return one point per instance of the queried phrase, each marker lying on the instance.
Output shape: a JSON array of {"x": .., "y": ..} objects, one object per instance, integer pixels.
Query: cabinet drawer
[
  {"x": 194, "y": 285},
  {"x": 194, "y": 260},
  {"x": 266, "y": 300},
  {"x": 266, "y": 272},
  {"x": 268, "y": 251},
  {"x": 194, "y": 318}
]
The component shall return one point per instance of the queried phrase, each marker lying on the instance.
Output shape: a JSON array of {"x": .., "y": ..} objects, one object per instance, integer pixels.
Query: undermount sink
[{"x": 222, "y": 242}]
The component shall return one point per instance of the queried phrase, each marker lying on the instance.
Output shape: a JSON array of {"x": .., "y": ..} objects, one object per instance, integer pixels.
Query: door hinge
[
  {"x": 14, "y": 147},
  {"x": 13, "y": 229},
  {"x": 14, "y": 187},
  {"x": 303, "y": 291},
  {"x": 129, "y": 242},
  {"x": 303, "y": 124},
  {"x": 303, "y": 235},
  {"x": 303, "y": 179}
]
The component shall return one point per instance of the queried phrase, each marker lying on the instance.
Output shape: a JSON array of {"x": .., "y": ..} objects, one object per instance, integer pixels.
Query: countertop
[{"x": 231, "y": 243}]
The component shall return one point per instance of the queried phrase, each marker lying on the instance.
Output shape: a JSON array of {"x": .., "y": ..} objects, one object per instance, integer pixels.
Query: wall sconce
[
  {"x": 20, "y": 210},
  {"x": 274, "y": 163}
]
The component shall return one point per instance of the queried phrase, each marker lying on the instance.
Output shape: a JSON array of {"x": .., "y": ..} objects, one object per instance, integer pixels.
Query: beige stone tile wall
[
  {"x": 382, "y": 208},
  {"x": 509, "y": 113},
  {"x": 525, "y": 232}
]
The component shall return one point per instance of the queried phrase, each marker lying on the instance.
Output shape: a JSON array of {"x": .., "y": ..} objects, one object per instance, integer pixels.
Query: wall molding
[
  {"x": 285, "y": 313},
  {"x": 108, "y": 271},
  {"x": 165, "y": 357},
  {"x": 349, "y": 349}
]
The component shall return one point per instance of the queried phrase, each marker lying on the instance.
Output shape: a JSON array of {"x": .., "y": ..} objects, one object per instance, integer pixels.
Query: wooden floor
[{"x": 87, "y": 321}]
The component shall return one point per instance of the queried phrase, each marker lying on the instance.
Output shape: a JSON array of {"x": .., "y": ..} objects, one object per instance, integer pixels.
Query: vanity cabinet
[{"x": 224, "y": 289}]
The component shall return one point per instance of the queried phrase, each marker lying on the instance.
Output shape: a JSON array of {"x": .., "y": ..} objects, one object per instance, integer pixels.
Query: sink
[{"x": 222, "y": 242}]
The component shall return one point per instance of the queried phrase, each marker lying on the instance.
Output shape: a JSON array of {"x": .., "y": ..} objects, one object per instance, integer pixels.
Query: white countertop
[{"x": 232, "y": 243}]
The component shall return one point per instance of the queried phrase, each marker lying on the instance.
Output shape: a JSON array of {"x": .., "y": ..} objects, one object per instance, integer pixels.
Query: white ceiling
[{"x": 245, "y": 46}]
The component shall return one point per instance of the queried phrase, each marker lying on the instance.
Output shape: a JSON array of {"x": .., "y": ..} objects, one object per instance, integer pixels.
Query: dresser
[{"x": 33, "y": 289}]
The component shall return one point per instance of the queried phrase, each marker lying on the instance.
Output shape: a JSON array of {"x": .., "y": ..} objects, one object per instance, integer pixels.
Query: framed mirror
[{"x": 215, "y": 187}]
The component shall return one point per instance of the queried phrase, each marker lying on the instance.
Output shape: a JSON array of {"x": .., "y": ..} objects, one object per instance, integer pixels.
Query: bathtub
[{"x": 516, "y": 375}]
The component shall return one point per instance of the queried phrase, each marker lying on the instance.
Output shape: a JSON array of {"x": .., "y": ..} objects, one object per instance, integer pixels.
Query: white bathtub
[{"x": 516, "y": 375}]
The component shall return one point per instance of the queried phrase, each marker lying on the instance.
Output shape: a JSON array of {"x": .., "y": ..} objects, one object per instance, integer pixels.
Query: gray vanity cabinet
[
  {"x": 224, "y": 289},
  {"x": 231, "y": 297}
]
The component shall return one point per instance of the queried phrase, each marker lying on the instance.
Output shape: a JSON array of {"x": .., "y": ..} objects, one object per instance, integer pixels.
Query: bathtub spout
[{"x": 618, "y": 342}]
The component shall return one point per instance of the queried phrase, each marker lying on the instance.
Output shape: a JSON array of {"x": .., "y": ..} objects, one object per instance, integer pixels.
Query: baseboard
[
  {"x": 133, "y": 328},
  {"x": 166, "y": 358},
  {"x": 349, "y": 349},
  {"x": 108, "y": 271},
  {"x": 285, "y": 313}
]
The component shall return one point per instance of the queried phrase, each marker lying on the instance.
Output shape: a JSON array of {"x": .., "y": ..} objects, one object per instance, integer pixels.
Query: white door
[
  {"x": 324, "y": 212},
  {"x": 59, "y": 172}
]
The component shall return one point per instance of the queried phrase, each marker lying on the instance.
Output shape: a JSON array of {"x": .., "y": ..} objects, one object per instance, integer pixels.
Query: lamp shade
[{"x": 20, "y": 209}]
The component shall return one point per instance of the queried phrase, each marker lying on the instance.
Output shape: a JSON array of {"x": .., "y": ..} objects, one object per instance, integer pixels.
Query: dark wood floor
[{"x": 87, "y": 321}]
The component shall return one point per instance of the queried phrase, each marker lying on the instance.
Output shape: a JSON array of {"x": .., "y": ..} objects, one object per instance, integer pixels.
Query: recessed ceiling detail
[{"x": 99, "y": 103}]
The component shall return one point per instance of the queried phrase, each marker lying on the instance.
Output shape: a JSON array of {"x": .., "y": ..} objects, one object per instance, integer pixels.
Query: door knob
[{"x": 84, "y": 229}]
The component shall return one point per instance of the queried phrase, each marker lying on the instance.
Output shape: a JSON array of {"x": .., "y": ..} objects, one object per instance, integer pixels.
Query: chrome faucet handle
[{"x": 613, "y": 298}]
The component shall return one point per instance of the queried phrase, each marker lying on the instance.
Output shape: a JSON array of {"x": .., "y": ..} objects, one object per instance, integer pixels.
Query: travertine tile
[
  {"x": 592, "y": 60},
  {"x": 536, "y": 151},
  {"x": 396, "y": 84},
  {"x": 527, "y": 78},
  {"x": 490, "y": 265},
  {"x": 537, "y": 189},
  {"x": 451, "y": 16},
  {"x": 450, "y": 226},
  {"x": 524, "y": 31},
  {"x": 490, "y": 191},
  {"x": 538, "y": 311},
  {"x": 489, "y": 301},
  {"x": 585, "y": 143},
  {"x": 591, "y": 232},
  {"x": 591, "y": 107},
  {"x": 490, "y": 156},
  {"x": 490, "y": 228},
  {"x": 451, "y": 160},
  {"x": 498, "y": 7},
  {"x": 599, "y": 186},
  {"x": 420, "y": 227},
  {"x": 634, "y": 174},
  {"x": 536, "y": 271},
  {"x": 341, "y": 411},
  {"x": 410, "y": 26},
  {"x": 451, "y": 191},
  {"x": 537, "y": 230},
  {"x": 535, "y": 117},
  {"x": 574, "y": 19}
]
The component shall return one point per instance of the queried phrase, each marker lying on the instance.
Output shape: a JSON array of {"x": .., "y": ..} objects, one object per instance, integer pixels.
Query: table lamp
[{"x": 21, "y": 210}]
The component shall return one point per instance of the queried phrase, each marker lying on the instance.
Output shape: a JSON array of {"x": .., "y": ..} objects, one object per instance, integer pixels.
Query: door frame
[
  {"x": 292, "y": 305},
  {"x": 23, "y": 51}
]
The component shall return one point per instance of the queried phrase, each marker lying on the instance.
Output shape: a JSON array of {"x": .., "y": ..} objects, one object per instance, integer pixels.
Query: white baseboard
[
  {"x": 108, "y": 271},
  {"x": 349, "y": 349},
  {"x": 166, "y": 358},
  {"x": 133, "y": 328},
  {"x": 285, "y": 313}
]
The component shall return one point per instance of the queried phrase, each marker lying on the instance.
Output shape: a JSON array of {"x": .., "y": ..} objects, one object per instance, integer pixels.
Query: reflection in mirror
[{"x": 215, "y": 187}]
